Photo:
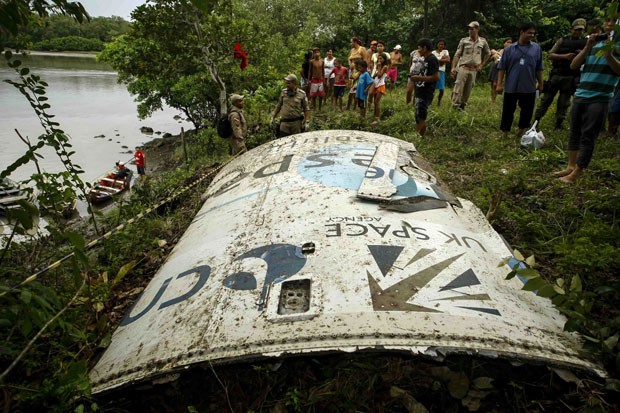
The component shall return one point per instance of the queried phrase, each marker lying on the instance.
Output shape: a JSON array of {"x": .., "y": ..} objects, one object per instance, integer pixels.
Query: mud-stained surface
[{"x": 467, "y": 380}]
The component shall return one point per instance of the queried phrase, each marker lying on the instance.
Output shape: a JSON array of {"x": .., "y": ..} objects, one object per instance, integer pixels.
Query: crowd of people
[
  {"x": 579, "y": 71},
  {"x": 370, "y": 73}
]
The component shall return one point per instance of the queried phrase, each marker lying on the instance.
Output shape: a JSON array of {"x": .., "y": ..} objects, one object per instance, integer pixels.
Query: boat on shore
[
  {"x": 110, "y": 184},
  {"x": 10, "y": 195}
]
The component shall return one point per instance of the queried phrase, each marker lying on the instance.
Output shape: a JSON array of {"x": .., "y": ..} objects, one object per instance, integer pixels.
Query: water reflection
[{"x": 88, "y": 102}]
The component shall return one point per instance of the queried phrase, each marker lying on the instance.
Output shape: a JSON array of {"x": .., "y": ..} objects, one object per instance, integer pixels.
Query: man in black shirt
[{"x": 425, "y": 74}]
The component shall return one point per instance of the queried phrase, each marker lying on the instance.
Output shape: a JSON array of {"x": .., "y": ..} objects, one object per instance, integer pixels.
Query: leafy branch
[
  {"x": 569, "y": 297},
  {"x": 33, "y": 88},
  {"x": 40, "y": 332}
]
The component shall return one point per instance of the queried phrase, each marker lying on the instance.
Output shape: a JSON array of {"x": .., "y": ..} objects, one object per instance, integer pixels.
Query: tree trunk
[
  {"x": 221, "y": 85},
  {"x": 212, "y": 69}
]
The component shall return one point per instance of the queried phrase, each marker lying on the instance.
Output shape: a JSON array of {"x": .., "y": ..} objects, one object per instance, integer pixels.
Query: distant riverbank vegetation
[{"x": 58, "y": 33}]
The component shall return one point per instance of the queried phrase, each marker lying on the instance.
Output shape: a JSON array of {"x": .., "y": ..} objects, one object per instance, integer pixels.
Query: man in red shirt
[{"x": 140, "y": 162}]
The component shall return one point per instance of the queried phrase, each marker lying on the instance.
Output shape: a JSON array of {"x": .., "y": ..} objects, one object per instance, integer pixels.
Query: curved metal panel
[{"x": 287, "y": 257}]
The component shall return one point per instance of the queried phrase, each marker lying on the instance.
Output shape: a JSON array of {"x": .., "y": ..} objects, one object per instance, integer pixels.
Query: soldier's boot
[{"x": 558, "y": 124}]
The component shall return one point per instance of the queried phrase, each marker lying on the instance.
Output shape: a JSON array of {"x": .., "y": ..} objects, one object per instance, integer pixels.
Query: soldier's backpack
[{"x": 223, "y": 126}]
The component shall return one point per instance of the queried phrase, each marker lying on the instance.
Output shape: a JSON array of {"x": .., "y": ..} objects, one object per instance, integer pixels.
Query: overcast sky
[{"x": 107, "y": 8}]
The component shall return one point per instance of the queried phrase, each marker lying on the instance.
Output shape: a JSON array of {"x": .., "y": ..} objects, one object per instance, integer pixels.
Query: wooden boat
[
  {"x": 109, "y": 185},
  {"x": 10, "y": 195}
]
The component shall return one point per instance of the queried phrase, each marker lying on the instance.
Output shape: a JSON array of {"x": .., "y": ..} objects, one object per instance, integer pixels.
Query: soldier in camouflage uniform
[
  {"x": 293, "y": 108},
  {"x": 562, "y": 79},
  {"x": 238, "y": 124}
]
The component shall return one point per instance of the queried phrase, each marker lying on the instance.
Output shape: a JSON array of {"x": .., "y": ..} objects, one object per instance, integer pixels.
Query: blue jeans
[{"x": 586, "y": 122}]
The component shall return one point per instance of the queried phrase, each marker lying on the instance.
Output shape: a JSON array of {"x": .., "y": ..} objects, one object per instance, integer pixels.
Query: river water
[{"x": 88, "y": 102}]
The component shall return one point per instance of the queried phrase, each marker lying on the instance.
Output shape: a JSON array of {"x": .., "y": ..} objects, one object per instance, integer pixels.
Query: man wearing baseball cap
[
  {"x": 294, "y": 107},
  {"x": 471, "y": 55},
  {"x": 396, "y": 59},
  {"x": 238, "y": 124},
  {"x": 562, "y": 79}
]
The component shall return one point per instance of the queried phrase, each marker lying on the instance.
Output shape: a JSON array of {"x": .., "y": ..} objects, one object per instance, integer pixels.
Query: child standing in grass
[
  {"x": 379, "y": 89},
  {"x": 340, "y": 82},
  {"x": 354, "y": 76},
  {"x": 363, "y": 85}
]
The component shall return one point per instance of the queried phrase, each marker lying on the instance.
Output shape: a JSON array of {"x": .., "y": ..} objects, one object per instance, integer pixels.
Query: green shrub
[{"x": 70, "y": 43}]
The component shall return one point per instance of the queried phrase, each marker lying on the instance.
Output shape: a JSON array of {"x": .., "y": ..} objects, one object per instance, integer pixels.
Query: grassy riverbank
[{"x": 570, "y": 229}]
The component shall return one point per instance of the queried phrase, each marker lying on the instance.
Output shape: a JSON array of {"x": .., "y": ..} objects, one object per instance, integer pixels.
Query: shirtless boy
[{"x": 317, "y": 72}]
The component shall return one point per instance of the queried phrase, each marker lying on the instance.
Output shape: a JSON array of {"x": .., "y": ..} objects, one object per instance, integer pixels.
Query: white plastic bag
[{"x": 532, "y": 138}]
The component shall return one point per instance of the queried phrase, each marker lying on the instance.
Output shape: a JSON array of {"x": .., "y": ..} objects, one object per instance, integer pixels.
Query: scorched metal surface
[{"x": 332, "y": 241}]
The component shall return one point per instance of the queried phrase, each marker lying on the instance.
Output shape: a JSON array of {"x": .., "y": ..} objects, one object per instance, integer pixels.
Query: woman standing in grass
[{"x": 443, "y": 56}]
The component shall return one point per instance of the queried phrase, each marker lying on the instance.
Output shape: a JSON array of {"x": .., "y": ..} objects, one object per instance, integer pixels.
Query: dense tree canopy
[
  {"x": 63, "y": 32},
  {"x": 180, "y": 52},
  {"x": 16, "y": 13},
  {"x": 183, "y": 56}
]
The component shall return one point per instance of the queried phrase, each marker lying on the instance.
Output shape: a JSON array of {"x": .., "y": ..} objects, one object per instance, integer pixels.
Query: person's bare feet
[
  {"x": 573, "y": 176},
  {"x": 564, "y": 172}
]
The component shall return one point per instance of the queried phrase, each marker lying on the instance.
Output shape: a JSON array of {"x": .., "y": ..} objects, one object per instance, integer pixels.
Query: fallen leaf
[
  {"x": 483, "y": 383},
  {"x": 411, "y": 404},
  {"x": 458, "y": 386}
]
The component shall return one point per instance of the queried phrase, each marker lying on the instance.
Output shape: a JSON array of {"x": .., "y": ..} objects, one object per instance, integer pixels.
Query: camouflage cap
[
  {"x": 291, "y": 78},
  {"x": 234, "y": 98},
  {"x": 579, "y": 24}
]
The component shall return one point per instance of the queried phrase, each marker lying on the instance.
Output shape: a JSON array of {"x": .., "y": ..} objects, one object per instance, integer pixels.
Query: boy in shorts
[
  {"x": 340, "y": 82},
  {"x": 363, "y": 85},
  {"x": 317, "y": 71},
  {"x": 424, "y": 74}
]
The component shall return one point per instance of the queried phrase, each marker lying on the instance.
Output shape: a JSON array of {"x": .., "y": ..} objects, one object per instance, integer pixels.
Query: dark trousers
[
  {"x": 526, "y": 102},
  {"x": 586, "y": 122},
  {"x": 563, "y": 84}
]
